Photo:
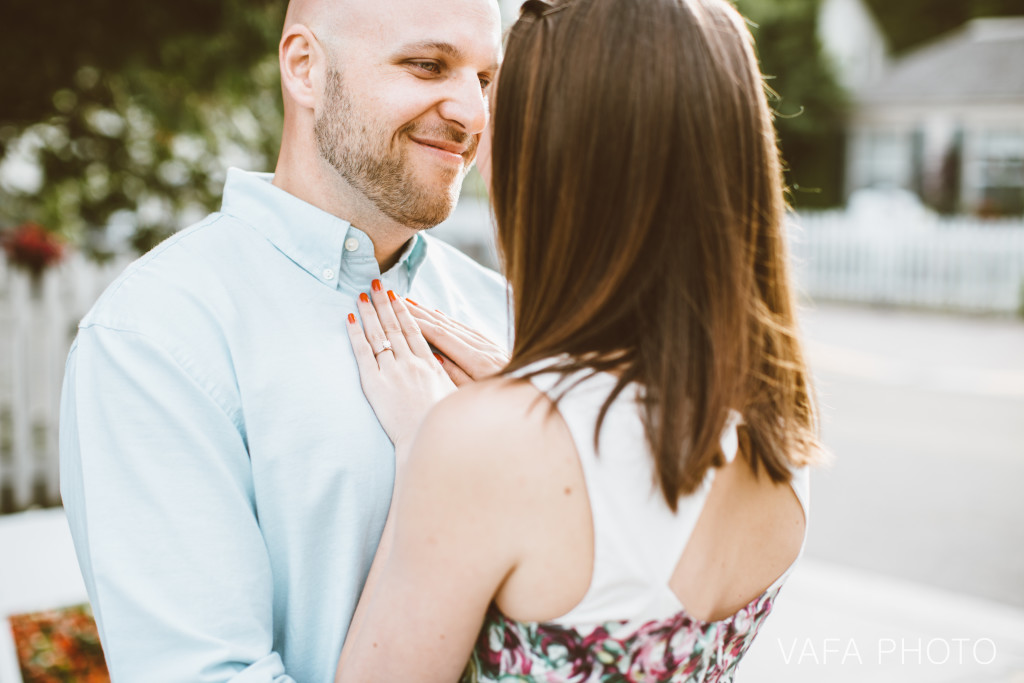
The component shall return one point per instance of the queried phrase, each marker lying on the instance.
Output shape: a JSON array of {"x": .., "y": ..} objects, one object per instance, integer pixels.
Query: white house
[{"x": 945, "y": 120}]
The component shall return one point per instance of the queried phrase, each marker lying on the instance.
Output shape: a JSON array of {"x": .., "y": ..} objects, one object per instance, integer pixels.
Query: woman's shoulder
[
  {"x": 499, "y": 412},
  {"x": 499, "y": 428}
]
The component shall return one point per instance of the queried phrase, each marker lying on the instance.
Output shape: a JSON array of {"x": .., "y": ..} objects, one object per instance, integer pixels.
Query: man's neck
[{"x": 321, "y": 186}]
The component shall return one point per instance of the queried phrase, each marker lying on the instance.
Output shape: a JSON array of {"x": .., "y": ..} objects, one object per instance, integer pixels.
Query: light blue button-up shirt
[{"x": 225, "y": 480}]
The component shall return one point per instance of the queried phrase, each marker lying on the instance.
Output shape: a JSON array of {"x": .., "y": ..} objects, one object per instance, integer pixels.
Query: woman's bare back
[{"x": 748, "y": 534}]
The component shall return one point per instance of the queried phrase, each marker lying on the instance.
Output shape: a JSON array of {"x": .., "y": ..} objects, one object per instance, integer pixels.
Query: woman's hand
[
  {"x": 401, "y": 377},
  {"x": 472, "y": 355}
]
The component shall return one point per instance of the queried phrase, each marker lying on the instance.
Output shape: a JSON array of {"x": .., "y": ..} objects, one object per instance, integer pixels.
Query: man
[{"x": 225, "y": 481}]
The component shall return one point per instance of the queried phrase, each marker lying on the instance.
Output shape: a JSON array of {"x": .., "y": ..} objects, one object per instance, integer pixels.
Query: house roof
[{"x": 983, "y": 61}]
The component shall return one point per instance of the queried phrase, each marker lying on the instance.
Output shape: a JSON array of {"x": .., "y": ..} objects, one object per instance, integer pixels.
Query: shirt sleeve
[{"x": 157, "y": 486}]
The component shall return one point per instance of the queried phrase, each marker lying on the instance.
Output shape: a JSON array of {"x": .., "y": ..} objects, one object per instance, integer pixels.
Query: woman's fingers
[
  {"x": 477, "y": 359},
  {"x": 382, "y": 347},
  {"x": 361, "y": 347},
  {"x": 436, "y": 317},
  {"x": 442, "y": 339},
  {"x": 457, "y": 375},
  {"x": 388, "y": 320},
  {"x": 476, "y": 355},
  {"x": 410, "y": 328},
  {"x": 464, "y": 332},
  {"x": 467, "y": 332}
]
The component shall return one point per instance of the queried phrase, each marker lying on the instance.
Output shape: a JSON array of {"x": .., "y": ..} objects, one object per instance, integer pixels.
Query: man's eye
[
  {"x": 485, "y": 83},
  {"x": 432, "y": 67}
]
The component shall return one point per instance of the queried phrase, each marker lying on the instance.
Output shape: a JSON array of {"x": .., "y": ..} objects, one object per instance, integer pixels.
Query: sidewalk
[
  {"x": 830, "y": 625},
  {"x": 836, "y": 625},
  {"x": 38, "y": 571}
]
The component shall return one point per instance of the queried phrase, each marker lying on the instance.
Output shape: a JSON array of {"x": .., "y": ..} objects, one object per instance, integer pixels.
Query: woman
[{"x": 625, "y": 498}]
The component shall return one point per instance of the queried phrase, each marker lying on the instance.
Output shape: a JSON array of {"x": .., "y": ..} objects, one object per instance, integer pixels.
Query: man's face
[{"x": 405, "y": 102}]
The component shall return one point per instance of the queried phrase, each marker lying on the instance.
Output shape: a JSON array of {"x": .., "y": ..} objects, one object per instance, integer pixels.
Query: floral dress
[
  {"x": 629, "y": 627},
  {"x": 679, "y": 649}
]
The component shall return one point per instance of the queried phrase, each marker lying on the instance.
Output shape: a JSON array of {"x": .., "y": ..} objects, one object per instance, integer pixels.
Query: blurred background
[{"x": 902, "y": 128}]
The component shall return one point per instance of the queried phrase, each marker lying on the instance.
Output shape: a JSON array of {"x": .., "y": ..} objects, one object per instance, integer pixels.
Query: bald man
[{"x": 225, "y": 481}]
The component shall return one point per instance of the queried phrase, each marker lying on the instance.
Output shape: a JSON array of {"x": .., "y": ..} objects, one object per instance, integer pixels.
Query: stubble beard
[{"x": 358, "y": 148}]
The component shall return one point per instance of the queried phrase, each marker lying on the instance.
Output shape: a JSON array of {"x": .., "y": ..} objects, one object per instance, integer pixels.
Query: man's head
[{"x": 391, "y": 96}]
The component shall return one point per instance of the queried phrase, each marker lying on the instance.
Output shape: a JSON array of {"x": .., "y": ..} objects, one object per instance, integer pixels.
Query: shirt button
[
  {"x": 328, "y": 274},
  {"x": 351, "y": 244}
]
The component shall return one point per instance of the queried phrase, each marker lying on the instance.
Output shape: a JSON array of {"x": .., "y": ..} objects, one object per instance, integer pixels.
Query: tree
[
  {"x": 810, "y": 105},
  {"x": 126, "y": 113},
  {"x": 123, "y": 114}
]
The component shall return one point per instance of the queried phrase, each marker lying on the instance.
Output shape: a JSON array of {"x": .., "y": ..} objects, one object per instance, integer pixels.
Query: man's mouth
[{"x": 444, "y": 148}]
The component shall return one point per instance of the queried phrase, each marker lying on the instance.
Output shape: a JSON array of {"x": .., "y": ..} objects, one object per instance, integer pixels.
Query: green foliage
[
  {"x": 810, "y": 105},
  {"x": 131, "y": 110}
]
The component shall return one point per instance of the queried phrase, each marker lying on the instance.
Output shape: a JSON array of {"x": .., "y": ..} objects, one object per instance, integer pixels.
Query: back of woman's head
[{"x": 639, "y": 202}]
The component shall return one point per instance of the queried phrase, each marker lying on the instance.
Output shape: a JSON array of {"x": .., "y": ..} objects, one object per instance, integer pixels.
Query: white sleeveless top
[{"x": 629, "y": 610}]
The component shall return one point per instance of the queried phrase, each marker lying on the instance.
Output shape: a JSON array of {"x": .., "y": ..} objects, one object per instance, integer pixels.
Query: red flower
[
  {"x": 33, "y": 247},
  {"x": 59, "y": 646}
]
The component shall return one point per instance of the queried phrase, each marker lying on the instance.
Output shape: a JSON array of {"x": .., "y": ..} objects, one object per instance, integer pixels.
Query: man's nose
[{"x": 466, "y": 105}]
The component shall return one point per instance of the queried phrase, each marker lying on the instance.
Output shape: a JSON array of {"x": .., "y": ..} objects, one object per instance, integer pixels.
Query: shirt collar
[{"x": 327, "y": 247}]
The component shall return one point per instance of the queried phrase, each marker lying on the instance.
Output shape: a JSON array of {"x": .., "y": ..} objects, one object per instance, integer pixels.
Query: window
[
  {"x": 883, "y": 158},
  {"x": 998, "y": 172}
]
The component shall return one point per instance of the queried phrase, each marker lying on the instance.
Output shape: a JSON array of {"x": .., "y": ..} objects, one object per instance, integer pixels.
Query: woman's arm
[{"x": 450, "y": 542}]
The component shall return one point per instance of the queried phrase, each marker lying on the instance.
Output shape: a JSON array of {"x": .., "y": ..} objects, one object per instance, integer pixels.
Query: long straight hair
[{"x": 639, "y": 204}]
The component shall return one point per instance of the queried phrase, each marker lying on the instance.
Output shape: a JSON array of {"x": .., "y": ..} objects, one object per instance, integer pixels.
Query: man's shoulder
[{"x": 178, "y": 274}]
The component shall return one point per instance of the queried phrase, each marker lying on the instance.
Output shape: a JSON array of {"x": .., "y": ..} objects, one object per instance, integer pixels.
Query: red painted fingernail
[
  {"x": 439, "y": 359},
  {"x": 351, "y": 318},
  {"x": 411, "y": 301},
  {"x": 362, "y": 297},
  {"x": 391, "y": 295},
  {"x": 376, "y": 285}
]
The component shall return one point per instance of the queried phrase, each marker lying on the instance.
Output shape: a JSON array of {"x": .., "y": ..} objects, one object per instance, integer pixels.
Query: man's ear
[{"x": 299, "y": 55}]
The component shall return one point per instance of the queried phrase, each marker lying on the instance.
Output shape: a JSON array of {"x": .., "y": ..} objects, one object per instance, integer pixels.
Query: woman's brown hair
[{"x": 638, "y": 196}]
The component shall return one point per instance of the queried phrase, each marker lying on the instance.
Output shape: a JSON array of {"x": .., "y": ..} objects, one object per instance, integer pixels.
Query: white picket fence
[
  {"x": 944, "y": 264},
  {"x": 950, "y": 265},
  {"x": 37, "y": 323}
]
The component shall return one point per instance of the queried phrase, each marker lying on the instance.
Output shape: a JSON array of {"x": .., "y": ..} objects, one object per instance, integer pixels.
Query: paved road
[{"x": 925, "y": 415}]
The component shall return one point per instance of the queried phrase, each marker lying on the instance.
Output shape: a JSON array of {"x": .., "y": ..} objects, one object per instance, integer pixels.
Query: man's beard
[{"x": 358, "y": 148}]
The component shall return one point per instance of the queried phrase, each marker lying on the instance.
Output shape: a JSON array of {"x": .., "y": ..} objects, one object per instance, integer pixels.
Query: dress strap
[{"x": 692, "y": 506}]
